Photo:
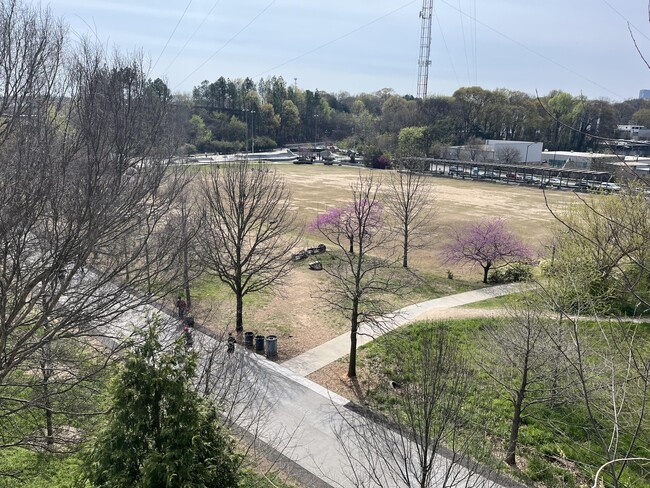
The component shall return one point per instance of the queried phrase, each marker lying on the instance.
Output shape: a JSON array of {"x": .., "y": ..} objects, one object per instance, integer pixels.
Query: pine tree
[{"x": 160, "y": 432}]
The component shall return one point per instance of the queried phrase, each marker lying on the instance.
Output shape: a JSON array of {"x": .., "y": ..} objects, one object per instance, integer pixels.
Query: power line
[
  {"x": 536, "y": 53},
  {"x": 226, "y": 43},
  {"x": 348, "y": 34},
  {"x": 192, "y": 36},
  {"x": 171, "y": 35},
  {"x": 626, "y": 19},
  {"x": 475, "y": 47},
  {"x": 462, "y": 29},
  {"x": 444, "y": 41}
]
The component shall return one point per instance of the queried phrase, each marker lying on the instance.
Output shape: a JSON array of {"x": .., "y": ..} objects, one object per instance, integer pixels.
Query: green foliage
[
  {"x": 38, "y": 470},
  {"x": 601, "y": 256},
  {"x": 411, "y": 141},
  {"x": 556, "y": 441},
  {"x": 200, "y": 134},
  {"x": 160, "y": 433},
  {"x": 512, "y": 273}
]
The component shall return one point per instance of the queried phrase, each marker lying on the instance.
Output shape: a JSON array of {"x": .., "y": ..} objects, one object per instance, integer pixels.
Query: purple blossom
[
  {"x": 348, "y": 221},
  {"x": 489, "y": 244}
]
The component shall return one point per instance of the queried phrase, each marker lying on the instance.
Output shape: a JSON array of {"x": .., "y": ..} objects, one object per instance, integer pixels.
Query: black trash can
[
  {"x": 259, "y": 343},
  {"x": 271, "y": 346},
  {"x": 249, "y": 338}
]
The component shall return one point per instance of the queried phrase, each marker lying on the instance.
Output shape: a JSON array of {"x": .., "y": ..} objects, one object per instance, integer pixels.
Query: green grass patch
[
  {"x": 557, "y": 442},
  {"x": 31, "y": 469}
]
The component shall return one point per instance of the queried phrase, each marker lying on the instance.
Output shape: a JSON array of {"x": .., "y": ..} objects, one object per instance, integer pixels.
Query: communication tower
[{"x": 425, "y": 47}]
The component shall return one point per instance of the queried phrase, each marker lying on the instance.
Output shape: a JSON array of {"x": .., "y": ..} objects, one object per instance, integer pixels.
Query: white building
[
  {"x": 515, "y": 152},
  {"x": 577, "y": 160}
]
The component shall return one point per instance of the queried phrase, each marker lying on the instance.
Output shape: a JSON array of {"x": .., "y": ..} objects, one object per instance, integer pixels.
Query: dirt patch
[{"x": 294, "y": 312}]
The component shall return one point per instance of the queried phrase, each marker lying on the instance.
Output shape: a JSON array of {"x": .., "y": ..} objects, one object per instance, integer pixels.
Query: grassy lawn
[
  {"x": 546, "y": 456},
  {"x": 314, "y": 188}
]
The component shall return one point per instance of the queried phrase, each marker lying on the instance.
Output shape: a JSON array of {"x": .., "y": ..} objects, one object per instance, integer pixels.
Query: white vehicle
[
  {"x": 554, "y": 182},
  {"x": 608, "y": 186}
]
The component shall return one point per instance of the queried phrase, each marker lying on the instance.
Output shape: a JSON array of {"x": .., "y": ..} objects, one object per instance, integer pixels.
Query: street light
[
  {"x": 526, "y": 158},
  {"x": 252, "y": 131},
  {"x": 246, "y": 121},
  {"x": 315, "y": 133}
]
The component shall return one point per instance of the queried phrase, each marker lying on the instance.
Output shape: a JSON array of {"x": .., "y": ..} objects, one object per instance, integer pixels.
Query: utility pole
[
  {"x": 424, "y": 60},
  {"x": 252, "y": 131}
]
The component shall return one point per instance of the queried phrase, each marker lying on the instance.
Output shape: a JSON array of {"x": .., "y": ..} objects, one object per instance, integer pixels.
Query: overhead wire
[
  {"x": 171, "y": 35},
  {"x": 444, "y": 41},
  {"x": 643, "y": 34},
  {"x": 462, "y": 30},
  {"x": 332, "y": 41},
  {"x": 536, "y": 53},
  {"x": 205, "y": 18},
  {"x": 259, "y": 14},
  {"x": 475, "y": 39}
]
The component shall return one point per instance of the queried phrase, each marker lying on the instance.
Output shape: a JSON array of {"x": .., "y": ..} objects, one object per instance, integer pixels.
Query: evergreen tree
[{"x": 160, "y": 433}]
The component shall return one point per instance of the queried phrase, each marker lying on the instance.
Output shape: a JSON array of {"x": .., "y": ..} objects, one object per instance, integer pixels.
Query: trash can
[
  {"x": 271, "y": 346},
  {"x": 259, "y": 343},
  {"x": 249, "y": 338}
]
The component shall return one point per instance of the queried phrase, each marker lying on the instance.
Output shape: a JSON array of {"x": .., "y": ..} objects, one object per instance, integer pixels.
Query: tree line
[{"x": 228, "y": 115}]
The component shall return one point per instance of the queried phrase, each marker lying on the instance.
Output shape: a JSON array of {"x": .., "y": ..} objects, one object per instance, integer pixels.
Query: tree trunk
[
  {"x": 514, "y": 431},
  {"x": 186, "y": 276},
  {"x": 486, "y": 269},
  {"x": 516, "y": 415},
  {"x": 352, "y": 366},
  {"x": 405, "y": 259},
  {"x": 47, "y": 405},
  {"x": 240, "y": 312}
]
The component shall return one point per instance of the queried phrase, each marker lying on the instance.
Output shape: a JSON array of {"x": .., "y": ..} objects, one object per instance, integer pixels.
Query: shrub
[{"x": 513, "y": 273}]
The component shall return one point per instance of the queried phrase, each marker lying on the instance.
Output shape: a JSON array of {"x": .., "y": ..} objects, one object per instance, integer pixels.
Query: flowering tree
[
  {"x": 488, "y": 244},
  {"x": 360, "y": 278},
  {"x": 343, "y": 223}
]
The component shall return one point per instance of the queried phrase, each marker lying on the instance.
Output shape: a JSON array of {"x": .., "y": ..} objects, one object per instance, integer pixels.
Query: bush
[
  {"x": 513, "y": 273},
  {"x": 264, "y": 143}
]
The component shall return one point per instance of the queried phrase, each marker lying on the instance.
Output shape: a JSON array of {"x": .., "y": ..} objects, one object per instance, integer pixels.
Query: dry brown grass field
[{"x": 294, "y": 312}]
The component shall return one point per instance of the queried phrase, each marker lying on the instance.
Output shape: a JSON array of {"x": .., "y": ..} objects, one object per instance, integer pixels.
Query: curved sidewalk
[{"x": 333, "y": 350}]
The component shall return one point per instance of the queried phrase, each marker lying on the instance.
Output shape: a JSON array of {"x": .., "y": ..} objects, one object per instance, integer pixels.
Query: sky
[{"x": 362, "y": 46}]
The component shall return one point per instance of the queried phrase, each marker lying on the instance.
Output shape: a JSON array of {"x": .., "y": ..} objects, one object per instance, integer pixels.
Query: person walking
[
  {"x": 231, "y": 343},
  {"x": 189, "y": 340},
  {"x": 181, "y": 305}
]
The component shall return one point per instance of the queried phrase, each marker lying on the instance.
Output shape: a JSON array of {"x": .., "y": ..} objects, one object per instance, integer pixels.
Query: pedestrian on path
[
  {"x": 181, "y": 305},
  {"x": 231, "y": 343},
  {"x": 189, "y": 340}
]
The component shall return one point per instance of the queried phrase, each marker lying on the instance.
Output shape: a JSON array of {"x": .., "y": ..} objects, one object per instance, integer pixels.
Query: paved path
[
  {"x": 296, "y": 417},
  {"x": 339, "y": 347}
]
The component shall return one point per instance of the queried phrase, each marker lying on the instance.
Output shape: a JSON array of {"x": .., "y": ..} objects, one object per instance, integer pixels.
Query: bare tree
[
  {"x": 360, "y": 280},
  {"x": 412, "y": 437},
  {"x": 523, "y": 363},
  {"x": 85, "y": 143},
  {"x": 610, "y": 370},
  {"x": 181, "y": 232},
  {"x": 509, "y": 155},
  {"x": 409, "y": 201},
  {"x": 248, "y": 232}
]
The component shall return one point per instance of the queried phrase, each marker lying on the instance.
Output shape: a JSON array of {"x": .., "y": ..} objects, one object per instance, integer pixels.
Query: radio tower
[{"x": 425, "y": 47}]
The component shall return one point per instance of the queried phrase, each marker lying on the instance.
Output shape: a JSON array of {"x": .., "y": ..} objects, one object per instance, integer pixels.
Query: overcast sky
[{"x": 579, "y": 46}]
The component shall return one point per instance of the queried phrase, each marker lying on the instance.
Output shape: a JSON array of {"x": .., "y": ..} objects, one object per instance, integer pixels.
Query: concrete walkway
[
  {"x": 339, "y": 347},
  {"x": 303, "y": 423}
]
